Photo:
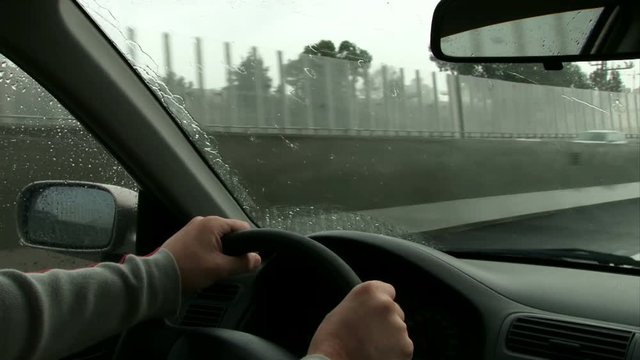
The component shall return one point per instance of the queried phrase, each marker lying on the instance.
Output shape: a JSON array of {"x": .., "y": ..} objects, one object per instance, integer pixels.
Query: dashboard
[{"x": 455, "y": 308}]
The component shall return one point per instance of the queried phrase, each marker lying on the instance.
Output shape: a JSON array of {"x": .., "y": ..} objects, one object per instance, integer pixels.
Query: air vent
[
  {"x": 209, "y": 307},
  {"x": 563, "y": 340},
  {"x": 220, "y": 293},
  {"x": 203, "y": 315}
]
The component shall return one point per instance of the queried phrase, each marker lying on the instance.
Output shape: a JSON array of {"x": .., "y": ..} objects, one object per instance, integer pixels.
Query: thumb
[{"x": 235, "y": 265}]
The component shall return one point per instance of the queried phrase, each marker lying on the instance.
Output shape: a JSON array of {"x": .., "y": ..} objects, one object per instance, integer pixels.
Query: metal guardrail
[
  {"x": 27, "y": 122},
  {"x": 317, "y": 131},
  {"x": 243, "y": 129}
]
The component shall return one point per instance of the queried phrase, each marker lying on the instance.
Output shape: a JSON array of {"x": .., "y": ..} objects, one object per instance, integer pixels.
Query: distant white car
[{"x": 601, "y": 136}]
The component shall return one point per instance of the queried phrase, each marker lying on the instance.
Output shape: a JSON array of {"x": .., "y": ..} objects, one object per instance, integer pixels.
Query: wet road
[{"x": 610, "y": 227}]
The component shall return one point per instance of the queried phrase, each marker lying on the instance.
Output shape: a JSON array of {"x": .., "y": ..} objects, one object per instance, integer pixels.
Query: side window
[{"x": 40, "y": 140}]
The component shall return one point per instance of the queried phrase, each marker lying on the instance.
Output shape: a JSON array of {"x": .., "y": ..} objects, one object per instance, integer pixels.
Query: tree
[
  {"x": 394, "y": 84},
  {"x": 322, "y": 70},
  {"x": 250, "y": 75},
  {"x": 178, "y": 85},
  {"x": 606, "y": 80},
  {"x": 571, "y": 76}
]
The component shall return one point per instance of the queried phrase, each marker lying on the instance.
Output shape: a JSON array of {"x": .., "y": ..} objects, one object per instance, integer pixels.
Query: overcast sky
[{"x": 395, "y": 32}]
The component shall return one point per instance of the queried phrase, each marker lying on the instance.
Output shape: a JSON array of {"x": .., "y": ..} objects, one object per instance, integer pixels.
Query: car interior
[{"x": 459, "y": 304}]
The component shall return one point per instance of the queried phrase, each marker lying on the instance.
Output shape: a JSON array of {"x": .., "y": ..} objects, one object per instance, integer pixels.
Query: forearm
[{"x": 50, "y": 315}]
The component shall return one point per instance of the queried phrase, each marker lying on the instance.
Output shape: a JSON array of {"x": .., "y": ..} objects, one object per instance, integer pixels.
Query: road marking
[{"x": 432, "y": 216}]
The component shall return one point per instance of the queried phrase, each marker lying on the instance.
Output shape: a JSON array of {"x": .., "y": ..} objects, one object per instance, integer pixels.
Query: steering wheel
[
  {"x": 224, "y": 344},
  {"x": 271, "y": 241}
]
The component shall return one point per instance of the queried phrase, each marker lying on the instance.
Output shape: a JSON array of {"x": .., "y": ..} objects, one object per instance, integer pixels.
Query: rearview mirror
[
  {"x": 77, "y": 217},
  {"x": 547, "y": 31}
]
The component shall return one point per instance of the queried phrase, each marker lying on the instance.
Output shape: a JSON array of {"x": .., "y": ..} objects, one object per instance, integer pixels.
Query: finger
[
  {"x": 384, "y": 288},
  {"x": 222, "y": 226},
  {"x": 235, "y": 265},
  {"x": 237, "y": 225},
  {"x": 218, "y": 226},
  {"x": 408, "y": 348},
  {"x": 399, "y": 312}
]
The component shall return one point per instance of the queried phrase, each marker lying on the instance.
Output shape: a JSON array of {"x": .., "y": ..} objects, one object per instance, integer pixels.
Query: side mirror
[{"x": 77, "y": 217}]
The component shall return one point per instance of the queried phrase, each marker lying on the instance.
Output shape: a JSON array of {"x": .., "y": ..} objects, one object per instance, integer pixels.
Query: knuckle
[
  {"x": 407, "y": 348},
  {"x": 384, "y": 304},
  {"x": 366, "y": 288},
  {"x": 211, "y": 222},
  {"x": 196, "y": 219}
]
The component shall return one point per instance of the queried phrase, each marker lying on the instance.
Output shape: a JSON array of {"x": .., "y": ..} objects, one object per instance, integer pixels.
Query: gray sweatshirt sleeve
[{"x": 52, "y": 314}]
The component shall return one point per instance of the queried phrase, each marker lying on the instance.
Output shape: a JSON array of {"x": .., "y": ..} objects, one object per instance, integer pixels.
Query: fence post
[
  {"x": 565, "y": 115},
  {"x": 385, "y": 100},
  {"x": 552, "y": 97},
  {"x": 204, "y": 116},
  {"x": 257, "y": 75},
  {"x": 367, "y": 96},
  {"x": 627, "y": 109},
  {"x": 532, "y": 129},
  {"x": 436, "y": 101},
  {"x": 585, "y": 112},
  {"x": 636, "y": 94},
  {"x": 328, "y": 73},
  {"x": 486, "y": 118},
  {"x": 452, "y": 106},
  {"x": 419, "y": 115},
  {"x": 232, "y": 95},
  {"x": 611, "y": 116},
  {"x": 402, "y": 116},
  {"x": 458, "y": 104},
  {"x": 283, "y": 86},
  {"x": 593, "y": 125},
  {"x": 604, "y": 118},
  {"x": 307, "y": 96},
  {"x": 354, "y": 120},
  {"x": 166, "y": 41}
]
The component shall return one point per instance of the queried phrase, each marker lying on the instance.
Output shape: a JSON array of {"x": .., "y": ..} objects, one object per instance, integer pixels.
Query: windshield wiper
[{"x": 557, "y": 255}]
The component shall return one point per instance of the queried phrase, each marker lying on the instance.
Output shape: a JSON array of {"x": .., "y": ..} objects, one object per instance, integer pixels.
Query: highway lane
[{"x": 612, "y": 227}]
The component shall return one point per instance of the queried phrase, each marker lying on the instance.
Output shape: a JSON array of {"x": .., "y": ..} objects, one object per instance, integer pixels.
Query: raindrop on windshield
[
  {"x": 289, "y": 143},
  {"x": 295, "y": 96},
  {"x": 310, "y": 72}
]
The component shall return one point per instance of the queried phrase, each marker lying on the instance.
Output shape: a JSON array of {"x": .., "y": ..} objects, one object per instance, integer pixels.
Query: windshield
[{"x": 333, "y": 114}]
